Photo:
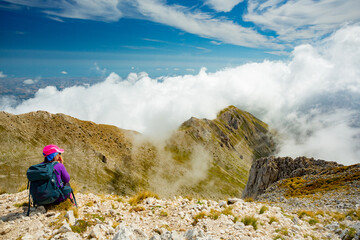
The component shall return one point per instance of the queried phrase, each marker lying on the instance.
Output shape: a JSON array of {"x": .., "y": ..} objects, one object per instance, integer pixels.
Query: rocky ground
[{"x": 113, "y": 217}]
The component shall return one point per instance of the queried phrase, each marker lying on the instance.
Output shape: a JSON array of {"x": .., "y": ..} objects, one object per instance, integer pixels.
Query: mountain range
[{"x": 205, "y": 158}]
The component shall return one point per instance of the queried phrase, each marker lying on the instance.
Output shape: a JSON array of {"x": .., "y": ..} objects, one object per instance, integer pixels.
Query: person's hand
[{"x": 60, "y": 160}]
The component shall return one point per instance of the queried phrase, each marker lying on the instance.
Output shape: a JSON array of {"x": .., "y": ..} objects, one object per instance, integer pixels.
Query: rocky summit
[{"x": 115, "y": 217}]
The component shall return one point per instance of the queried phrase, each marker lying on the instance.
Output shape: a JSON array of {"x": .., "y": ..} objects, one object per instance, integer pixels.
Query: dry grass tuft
[
  {"x": 273, "y": 219},
  {"x": 263, "y": 209},
  {"x": 249, "y": 199},
  {"x": 63, "y": 207},
  {"x": 141, "y": 196},
  {"x": 137, "y": 209},
  {"x": 250, "y": 220}
]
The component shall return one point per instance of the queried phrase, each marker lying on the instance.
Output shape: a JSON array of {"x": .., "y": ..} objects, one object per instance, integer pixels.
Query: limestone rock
[
  {"x": 268, "y": 170},
  {"x": 70, "y": 216},
  {"x": 129, "y": 233}
]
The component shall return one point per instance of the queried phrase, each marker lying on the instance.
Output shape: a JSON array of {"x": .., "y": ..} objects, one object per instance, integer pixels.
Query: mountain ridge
[{"x": 104, "y": 158}]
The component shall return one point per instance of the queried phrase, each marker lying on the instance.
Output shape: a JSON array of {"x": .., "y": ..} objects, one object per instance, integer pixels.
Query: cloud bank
[{"x": 313, "y": 99}]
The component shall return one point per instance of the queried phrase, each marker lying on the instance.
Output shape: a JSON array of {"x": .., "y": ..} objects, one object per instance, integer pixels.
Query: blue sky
[{"x": 87, "y": 38}]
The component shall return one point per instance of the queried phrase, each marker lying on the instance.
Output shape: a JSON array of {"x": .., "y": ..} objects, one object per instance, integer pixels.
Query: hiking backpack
[{"x": 43, "y": 186}]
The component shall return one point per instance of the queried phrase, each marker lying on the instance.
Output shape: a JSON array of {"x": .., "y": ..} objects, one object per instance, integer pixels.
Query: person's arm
[{"x": 65, "y": 177}]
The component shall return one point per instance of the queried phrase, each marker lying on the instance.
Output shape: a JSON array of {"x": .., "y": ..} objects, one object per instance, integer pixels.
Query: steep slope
[
  {"x": 202, "y": 158},
  {"x": 94, "y": 155},
  {"x": 229, "y": 144}
]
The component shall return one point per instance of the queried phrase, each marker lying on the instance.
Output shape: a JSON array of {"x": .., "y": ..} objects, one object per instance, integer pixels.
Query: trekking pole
[
  {"x": 28, "y": 187},
  {"x": 74, "y": 197}
]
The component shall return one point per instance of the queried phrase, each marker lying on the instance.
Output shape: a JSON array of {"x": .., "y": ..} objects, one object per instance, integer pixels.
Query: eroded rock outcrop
[{"x": 266, "y": 171}]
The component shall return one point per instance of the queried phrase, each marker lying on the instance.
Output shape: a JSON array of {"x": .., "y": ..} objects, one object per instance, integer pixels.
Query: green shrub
[
  {"x": 313, "y": 221},
  {"x": 197, "y": 217},
  {"x": 250, "y": 220},
  {"x": 23, "y": 204},
  {"x": 263, "y": 209},
  {"x": 80, "y": 227}
]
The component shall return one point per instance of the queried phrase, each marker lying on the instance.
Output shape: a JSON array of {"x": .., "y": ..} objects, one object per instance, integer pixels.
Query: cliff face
[
  {"x": 204, "y": 158},
  {"x": 266, "y": 171}
]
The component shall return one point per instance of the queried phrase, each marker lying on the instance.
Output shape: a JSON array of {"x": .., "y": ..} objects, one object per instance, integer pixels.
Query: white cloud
[
  {"x": 100, "y": 10},
  {"x": 2, "y": 75},
  {"x": 64, "y": 72},
  {"x": 102, "y": 71},
  {"x": 29, "y": 81},
  {"x": 313, "y": 100},
  {"x": 203, "y": 24},
  {"x": 190, "y": 70},
  {"x": 215, "y": 42},
  {"x": 56, "y": 18},
  {"x": 302, "y": 19},
  {"x": 222, "y": 5}
]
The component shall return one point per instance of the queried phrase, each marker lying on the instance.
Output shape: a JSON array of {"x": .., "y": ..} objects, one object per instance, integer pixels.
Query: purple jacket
[{"x": 63, "y": 176}]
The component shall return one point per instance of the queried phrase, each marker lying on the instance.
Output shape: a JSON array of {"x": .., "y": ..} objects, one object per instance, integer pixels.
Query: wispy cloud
[
  {"x": 64, "y": 72},
  {"x": 99, "y": 10},
  {"x": 302, "y": 19},
  {"x": 215, "y": 43},
  {"x": 29, "y": 81},
  {"x": 294, "y": 22},
  {"x": 203, "y": 24},
  {"x": 154, "y": 40},
  {"x": 102, "y": 71},
  {"x": 222, "y": 5},
  {"x": 55, "y": 18}
]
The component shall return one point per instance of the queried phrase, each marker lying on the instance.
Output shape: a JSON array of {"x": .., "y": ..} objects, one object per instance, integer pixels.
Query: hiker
[
  {"x": 53, "y": 153},
  {"x": 49, "y": 180}
]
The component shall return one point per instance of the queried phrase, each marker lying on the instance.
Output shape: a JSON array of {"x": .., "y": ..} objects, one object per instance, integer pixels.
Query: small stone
[
  {"x": 71, "y": 236},
  {"x": 239, "y": 226},
  {"x": 155, "y": 237},
  {"x": 70, "y": 216},
  {"x": 27, "y": 236},
  {"x": 222, "y": 204},
  {"x": 333, "y": 226},
  {"x": 97, "y": 232},
  {"x": 234, "y": 200},
  {"x": 41, "y": 209},
  {"x": 50, "y": 214},
  {"x": 193, "y": 234},
  {"x": 65, "y": 228}
]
